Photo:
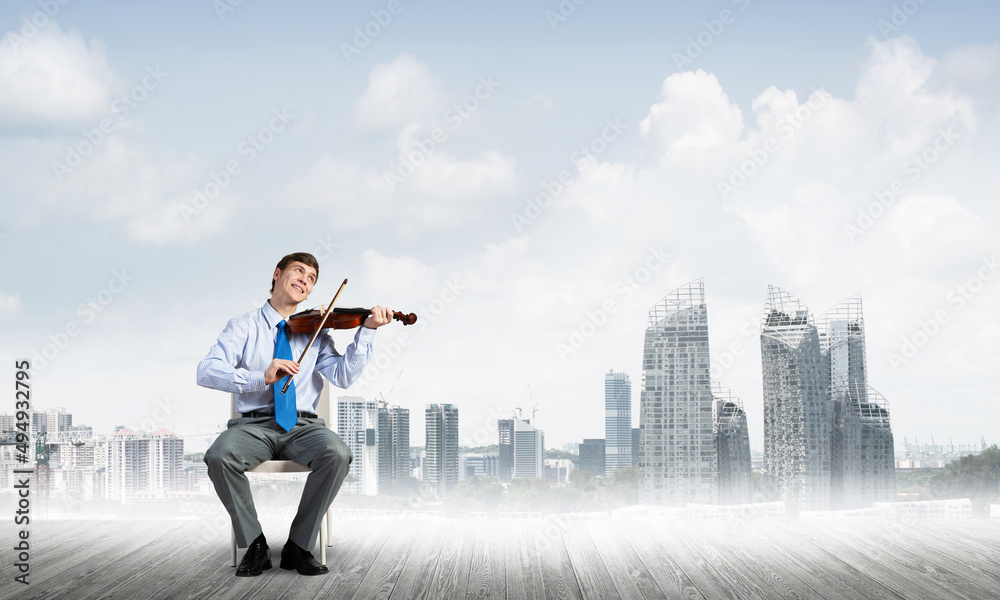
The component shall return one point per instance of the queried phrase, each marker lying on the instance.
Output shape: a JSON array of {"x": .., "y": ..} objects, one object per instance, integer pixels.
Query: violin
[
  {"x": 311, "y": 321},
  {"x": 339, "y": 318}
]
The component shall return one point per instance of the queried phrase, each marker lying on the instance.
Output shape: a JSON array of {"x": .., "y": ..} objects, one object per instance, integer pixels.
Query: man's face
[{"x": 295, "y": 281}]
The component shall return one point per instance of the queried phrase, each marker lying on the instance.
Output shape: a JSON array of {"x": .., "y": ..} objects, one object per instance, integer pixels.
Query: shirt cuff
[
  {"x": 256, "y": 383},
  {"x": 365, "y": 334}
]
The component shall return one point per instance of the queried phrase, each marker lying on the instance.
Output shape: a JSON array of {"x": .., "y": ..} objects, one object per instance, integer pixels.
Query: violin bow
[{"x": 319, "y": 328}]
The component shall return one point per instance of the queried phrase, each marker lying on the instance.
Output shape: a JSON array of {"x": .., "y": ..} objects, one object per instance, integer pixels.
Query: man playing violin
[{"x": 248, "y": 361}]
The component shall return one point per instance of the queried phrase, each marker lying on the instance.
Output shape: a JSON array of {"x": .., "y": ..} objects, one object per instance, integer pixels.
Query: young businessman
[{"x": 252, "y": 358}]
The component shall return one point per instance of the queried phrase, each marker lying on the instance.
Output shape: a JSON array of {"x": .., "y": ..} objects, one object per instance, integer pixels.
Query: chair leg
[
  {"x": 232, "y": 535},
  {"x": 323, "y": 540},
  {"x": 329, "y": 526}
]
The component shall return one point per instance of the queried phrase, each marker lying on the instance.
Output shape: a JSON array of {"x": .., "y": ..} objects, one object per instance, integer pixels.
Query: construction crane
[
  {"x": 534, "y": 405},
  {"x": 42, "y": 474},
  {"x": 384, "y": 398}
]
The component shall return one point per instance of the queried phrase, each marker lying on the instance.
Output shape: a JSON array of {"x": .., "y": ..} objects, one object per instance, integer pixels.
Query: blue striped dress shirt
[{"x": 237, "y": 361}]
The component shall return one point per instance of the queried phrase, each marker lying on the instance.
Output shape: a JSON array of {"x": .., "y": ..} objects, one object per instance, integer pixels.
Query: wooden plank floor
[{"x": 560, "y": 557}]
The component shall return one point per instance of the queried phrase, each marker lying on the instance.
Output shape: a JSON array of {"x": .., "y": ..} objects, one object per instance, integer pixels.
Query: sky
[{"x": 530, "y": 178}]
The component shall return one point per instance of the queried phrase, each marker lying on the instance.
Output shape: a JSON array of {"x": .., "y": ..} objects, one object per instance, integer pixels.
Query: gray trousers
[{"x": 250, "y": 441}]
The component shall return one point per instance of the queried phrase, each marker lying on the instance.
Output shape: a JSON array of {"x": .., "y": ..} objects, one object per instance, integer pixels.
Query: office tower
[
  {"x": 733, "y": 447},
  {"x": 144, "y": 464},
  {"x": 400, "y": 420},
  {"x": 617, "y": 422},
  {"x": 440, "y": 466},
  {"x": 166, "y": 458},
  {"x": 505, "y": 465},
  {"x": 798, "y": 414},
  {"x": 528, "y": 451},
  {"x": 677, "y": 456},
  {"x": 878, "y": 451},
  {"x": 128, "y": 465},
  {"x": 39, "y": 422},
  {"x": 57, "y": 420},
  {"x": 635, "y": 446},
  {"x": 593, "y": 457},
  {"x": 393, "y": 449},
  {"x": 357, "y": 425},
  {"x": 471, "y": 466},
  {"x": 384, "y": 439},
  {"x": 862, "y": 456}
]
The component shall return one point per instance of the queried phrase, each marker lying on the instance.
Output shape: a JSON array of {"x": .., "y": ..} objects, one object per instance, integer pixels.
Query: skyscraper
[
  {"x": 798, "y": 414},
  {"x": 357, "y": 425},
  {"x": 57, "y": 420},
  {"x": 505, "y": 461},
  {"x": 862, "y": 461},
  {"x": 528, "y": 451},
  {"x": 521, "y": 450},
  {"x": 733, "y": 447},
  {"x": 394, "y": 448},
  {"x": 144, "y": 464},
  {"x": 677, "y": 462},
  {"x": 617, "y": 422},
  {"x": 440, "y": 466},
  {"x": 593, "y": 456}
]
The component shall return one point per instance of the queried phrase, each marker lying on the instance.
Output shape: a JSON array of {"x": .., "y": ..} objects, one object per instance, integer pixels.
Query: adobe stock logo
[
  {"x": 87, "y": 311},
  {"x": 959, "y": 295},
  {"x": 625, "y": 287}
]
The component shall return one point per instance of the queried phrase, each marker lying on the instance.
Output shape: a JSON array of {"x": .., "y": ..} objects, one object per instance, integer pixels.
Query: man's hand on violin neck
[
  {"x": 379, "y": 317},
  {"x": 279, "y": 368}
]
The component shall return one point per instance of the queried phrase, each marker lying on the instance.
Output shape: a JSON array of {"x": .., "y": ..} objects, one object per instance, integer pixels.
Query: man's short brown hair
[{"x": 302, "y": 257}]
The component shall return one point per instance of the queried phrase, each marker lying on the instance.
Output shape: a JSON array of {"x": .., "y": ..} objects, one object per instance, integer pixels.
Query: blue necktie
[{"x": 284, "y": 404}]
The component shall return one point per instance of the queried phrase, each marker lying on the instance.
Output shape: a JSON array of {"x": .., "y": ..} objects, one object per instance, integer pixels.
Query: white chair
[{"x": 288, "y": 466}]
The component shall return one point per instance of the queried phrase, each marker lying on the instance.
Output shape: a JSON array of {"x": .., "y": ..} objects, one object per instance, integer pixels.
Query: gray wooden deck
[{"x": 436, "y": 558}]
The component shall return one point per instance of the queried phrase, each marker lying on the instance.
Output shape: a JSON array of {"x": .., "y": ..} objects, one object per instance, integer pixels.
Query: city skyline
[
  {"x": 846, "y": 305},
  {"x": 478, "y": 159}
]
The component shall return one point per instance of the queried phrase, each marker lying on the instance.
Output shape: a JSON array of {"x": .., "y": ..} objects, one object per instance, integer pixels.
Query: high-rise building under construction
[
  {"x": 827, "y": 440},
  {"x": 677, "y": 453}
]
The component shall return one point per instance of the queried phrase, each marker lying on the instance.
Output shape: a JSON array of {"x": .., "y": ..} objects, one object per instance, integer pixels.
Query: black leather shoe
[
  {"x": 293, "y": 557},
  {"x": 256, "y": 560}
]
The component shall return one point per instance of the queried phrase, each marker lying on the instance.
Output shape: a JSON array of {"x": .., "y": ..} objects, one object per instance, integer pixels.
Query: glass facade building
[
  {"x": 863, "y": 457},
  {"x": 393, "y": 449},
  {"x": 357, "y": 425},
  {"x": 678, "y": 463},
  {"x": 440, "y": 466},
  {"x": 797, "y": 409},
  {"x": 733, "y": 448},
  {"x": 617, "y": 422},
  {"x": 827, "y": 439},
  {"x": 593, "y": 457}
]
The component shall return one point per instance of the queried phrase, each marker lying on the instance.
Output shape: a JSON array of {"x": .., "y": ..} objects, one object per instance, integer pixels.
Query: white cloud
[
  {"x": 694, "y": 122},
  {"x": 972, "y": 64},
  {"x": 398, "y": 92},
  {"x": 893, "y": 91},
  {"x": 169, "y": 223},
  {"x": 486, "y": 175},
  {"x": 973, "y": 69},
  {"x": 599, "y": 187},
  {"x": 352, "y": 195},
  {"x": 934, "y": 230},
  {"x": 10, "y": 304},
  {"x": 153, "y": 200},
  {"x": 420, "y": 191},
  {"x": 53, "y": 78},
  {"x": 388, "y": 275}
]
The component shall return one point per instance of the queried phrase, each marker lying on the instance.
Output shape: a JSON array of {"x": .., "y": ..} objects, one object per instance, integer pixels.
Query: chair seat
[{"x": 280, "y": 466}]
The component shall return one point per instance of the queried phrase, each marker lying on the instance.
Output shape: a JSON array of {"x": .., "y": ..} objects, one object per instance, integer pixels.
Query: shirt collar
[{"x": 270, "y": 315}]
